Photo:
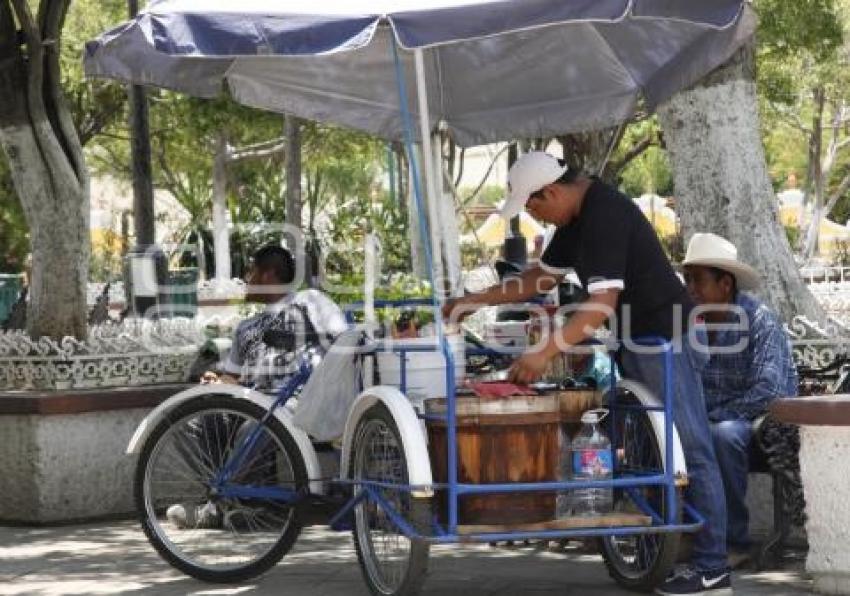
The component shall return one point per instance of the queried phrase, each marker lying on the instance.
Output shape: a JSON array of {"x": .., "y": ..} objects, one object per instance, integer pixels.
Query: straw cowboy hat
[{"x": 711, "y": 250}]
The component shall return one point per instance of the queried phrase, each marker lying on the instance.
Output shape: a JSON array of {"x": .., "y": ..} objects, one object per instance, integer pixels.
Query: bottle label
[{"x": 592, "y": 463}]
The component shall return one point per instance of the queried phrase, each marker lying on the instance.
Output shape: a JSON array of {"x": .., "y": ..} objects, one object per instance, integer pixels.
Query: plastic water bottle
[
  {"x": 592, "y": 460},
  {"x": 563, "y": 498}
]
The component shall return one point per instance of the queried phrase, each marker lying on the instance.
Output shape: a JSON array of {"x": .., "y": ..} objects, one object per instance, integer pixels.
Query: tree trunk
[
  {"x": 221, "y": 230},
  {"x": 292, "y": 133},
  {"x": 590, "y": 152},
  {"x": 815, "y": 185},
  {"x": 48, "y": 171},
  {"x": 721, "y": 179}
]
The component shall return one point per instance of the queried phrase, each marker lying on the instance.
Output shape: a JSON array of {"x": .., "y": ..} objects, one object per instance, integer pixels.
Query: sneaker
[
  {"x": 198, "y": 517},
  {"x": 690, "y": 581}
]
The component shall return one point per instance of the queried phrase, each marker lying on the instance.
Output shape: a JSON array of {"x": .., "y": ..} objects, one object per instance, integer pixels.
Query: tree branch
[
  {"x": 841, "y": 144},
  {"x": 257, "y": 150},
  {"x": 795, "y": 121},
  {"x": 115, "y": 162},
  {"x": 51, "y": 18},
  {"x": 839, "y": 192},
  {"x": 61, "y": 170},
  {"x": 174, "y": 183},
  {"x": 485, "y": 176},
  {"x": 99, "y": 121},
  {"x": 633, "y": 152}
]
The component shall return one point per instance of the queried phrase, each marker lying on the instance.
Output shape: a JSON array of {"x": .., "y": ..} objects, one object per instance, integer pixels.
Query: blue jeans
[
  {"x": 732, "y": 446},
  {"x": 705, "y": 487}
]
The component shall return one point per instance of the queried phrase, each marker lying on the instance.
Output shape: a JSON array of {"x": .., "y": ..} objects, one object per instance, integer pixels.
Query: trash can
[
  {"x": 145, "y": 275},
  {"x": 180, "y": 298},
  {"x": 10, "y": 289}
]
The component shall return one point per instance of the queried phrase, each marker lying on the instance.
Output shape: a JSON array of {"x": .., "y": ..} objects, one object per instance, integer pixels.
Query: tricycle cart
[{"x": 484, "y": 71}]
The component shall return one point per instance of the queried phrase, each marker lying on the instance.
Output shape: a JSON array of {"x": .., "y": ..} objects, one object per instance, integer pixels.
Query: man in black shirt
[{"x": 604, "y": 237}]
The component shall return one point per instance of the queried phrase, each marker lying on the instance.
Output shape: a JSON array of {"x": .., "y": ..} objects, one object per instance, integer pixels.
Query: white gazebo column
[
  {"x": 220, "y": 217},
  {"x": 824, "y": 452}
]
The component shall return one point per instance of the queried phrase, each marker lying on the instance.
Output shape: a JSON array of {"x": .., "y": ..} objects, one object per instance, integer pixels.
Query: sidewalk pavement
[{"x": 115, "y": 558}]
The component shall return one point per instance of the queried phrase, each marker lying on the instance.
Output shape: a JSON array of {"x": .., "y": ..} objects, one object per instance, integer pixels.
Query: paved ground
[{"x": 114, "y": 558}]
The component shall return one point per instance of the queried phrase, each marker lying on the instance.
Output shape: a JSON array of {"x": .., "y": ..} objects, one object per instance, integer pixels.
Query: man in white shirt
[{"x": 309, "y": 316}]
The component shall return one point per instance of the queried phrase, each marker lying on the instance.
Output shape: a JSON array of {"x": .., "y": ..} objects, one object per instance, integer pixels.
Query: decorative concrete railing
[
  {"x": 136, "y": 352},
  {"x": 817, "y": 346},
  {"x": 817, "y": 273}
]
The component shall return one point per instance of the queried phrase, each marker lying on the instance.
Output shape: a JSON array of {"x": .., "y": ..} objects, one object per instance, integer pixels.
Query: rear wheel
[
  {"x": 392, "y": 564},
  {"x": 218, "y": 539},
  {"x": 639, "y": 562}
]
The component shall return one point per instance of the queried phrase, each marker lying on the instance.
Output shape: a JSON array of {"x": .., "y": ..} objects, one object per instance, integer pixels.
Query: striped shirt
[{"x": 740, "y": 382}]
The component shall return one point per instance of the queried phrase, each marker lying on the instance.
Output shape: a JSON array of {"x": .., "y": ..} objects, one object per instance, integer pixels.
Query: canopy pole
[
  {"x": 448, "y": 225},
  {"x": 430, "y": 185}
]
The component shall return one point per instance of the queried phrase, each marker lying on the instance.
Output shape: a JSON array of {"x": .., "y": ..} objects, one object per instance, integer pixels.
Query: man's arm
[
  {"x": 592, "y": 314},
  {"x": 516, "y": 289},
  {"x": 771, "y": 372},
  {"x": 229, "y": 370}
]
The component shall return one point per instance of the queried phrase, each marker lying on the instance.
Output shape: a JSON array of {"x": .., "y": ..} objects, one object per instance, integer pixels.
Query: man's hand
[
  {"x": 456, "y": 310},
  {"x": 211, "y": 378},
  {"x": 528, "y": 368}
]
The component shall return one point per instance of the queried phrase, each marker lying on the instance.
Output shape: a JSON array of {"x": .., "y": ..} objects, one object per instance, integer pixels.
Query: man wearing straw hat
[
  {"x": 603, "y": 236},
  {"x": 750, "y": 365}
]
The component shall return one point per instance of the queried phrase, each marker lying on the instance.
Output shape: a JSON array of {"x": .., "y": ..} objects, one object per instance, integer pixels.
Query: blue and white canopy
[{"x": 494, "y": 69}]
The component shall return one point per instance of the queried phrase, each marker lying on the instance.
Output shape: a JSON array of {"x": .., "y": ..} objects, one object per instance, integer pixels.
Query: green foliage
[
  {"x": 802, "y": 55},
  {"x": 647, "y": 172},
  {"x": 346, "y": 198},
  {"x": 788, "y": 28},
  {"x": 798, "y": 44},
  {"x": 105, "y": 263},
  {"x": 95, "y": 104},
  {"x": 14, "y": 231},
  {"x": 348, "y": 289},
  {"x": 489, "y": 195},
  {"x": 841, "y": 253},
  {"x": 793, "y": 235},
  {"x": 650, "y": 172}
]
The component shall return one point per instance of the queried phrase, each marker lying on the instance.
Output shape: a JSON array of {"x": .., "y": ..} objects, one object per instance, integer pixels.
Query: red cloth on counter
[{"x": 498, "y": 389}]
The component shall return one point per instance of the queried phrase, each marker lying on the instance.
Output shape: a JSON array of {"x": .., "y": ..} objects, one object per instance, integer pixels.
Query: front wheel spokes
[{"x": 218, "y": 532}]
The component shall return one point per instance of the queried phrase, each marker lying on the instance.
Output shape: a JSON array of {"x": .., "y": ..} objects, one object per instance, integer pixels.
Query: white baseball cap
[
  {"x": 530, "y": 173},
  {"x": 710, "y": 250}
]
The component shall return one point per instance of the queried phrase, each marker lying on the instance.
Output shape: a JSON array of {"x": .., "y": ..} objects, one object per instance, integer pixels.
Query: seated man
[
  {"x": 309, "y": 314},
  {"x": 750, "y": 365}
]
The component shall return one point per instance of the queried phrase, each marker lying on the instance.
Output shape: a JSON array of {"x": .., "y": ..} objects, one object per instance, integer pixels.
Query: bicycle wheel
[
  {"x": 213, "y": 538},
  {"x": 639, "y": 562},
  {"x": 392, "y": 564}
]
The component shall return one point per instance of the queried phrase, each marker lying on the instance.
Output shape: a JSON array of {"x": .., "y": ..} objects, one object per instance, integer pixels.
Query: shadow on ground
[{"x": 115, "y": 558}]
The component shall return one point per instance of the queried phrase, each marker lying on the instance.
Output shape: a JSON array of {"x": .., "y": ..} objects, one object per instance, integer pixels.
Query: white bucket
[
  {"x": 507, "y": 334},
  {"x": 425, "y": 371}
]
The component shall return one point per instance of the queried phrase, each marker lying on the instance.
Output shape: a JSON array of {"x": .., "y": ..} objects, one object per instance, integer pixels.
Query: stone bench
[
  {"x": 62, "y": 452},
  {"x": 824, "y": 455}
]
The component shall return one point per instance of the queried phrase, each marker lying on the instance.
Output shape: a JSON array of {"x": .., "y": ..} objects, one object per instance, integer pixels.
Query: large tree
[
  {"x": 45, "y": 158},
  {"x": 722, "y": 185},
  {"x": 48, "y": 112}
]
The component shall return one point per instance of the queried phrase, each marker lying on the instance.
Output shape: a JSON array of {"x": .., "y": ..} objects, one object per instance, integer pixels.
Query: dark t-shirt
[{"x": 612, "y": 245}]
